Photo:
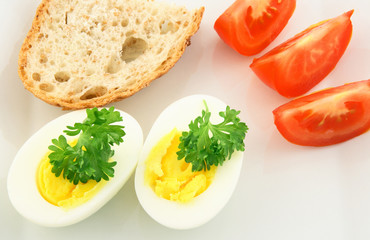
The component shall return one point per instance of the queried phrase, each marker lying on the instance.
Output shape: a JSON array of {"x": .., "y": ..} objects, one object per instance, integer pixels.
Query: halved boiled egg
[
  {"x": 22, "y": 178},
  {"x": 205, "y": 206}
]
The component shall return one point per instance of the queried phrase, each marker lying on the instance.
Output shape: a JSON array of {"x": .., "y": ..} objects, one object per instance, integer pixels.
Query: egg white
[
  {"x": 208, "y": 204},
  {"x": 21, "y": 182}
]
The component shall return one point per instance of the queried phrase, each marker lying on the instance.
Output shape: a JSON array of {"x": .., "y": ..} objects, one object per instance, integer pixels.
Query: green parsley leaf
[
  {"x": 89, "y": 158},
  {"x": 207, "y": 144}
]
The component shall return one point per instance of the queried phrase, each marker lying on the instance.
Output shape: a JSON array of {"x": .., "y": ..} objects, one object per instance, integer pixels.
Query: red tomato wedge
[
  {"x": 297, "y": 65},
  {"x": 326, "y": 117},
  {"x": 249, "y": 26}
]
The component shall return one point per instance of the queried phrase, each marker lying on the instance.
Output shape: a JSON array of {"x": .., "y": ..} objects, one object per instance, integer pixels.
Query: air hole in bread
[
  {"x": 168, "y": 26},
  {"x": 114, "y": 65},
  {"x": 130, "y": 33},
  {"x": 62, "y": 76},
  {"x": 124, "y": 22},
  {"x": 137, "y": 21},
  {"x": 51, "y": 26},
  {"x": 94, "y": 92},
  {"x": 164, "y": 64},
  {"x": 114, "y": 23},
  {"x": 46, "y": 87},
  {"x": 154, "y": 11},
  {"x": 130, "y": 83},
  {"x": 132, "y": 49},
  {"x": 36, "y": 76},
  {"x": 43, "y": 58},
  {"x": 131, "y": 80},
  {"x": 186, "y": 23},
  {"x": 159, "y": 50},
  {"x": 90, "y": 71}
]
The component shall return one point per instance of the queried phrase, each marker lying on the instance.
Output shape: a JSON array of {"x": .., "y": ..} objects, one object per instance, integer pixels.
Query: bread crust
[{"x": 109, "y": 97}]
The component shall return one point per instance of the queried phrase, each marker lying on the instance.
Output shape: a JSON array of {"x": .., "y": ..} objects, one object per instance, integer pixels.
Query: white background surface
[{"x": 284, "y": 191}]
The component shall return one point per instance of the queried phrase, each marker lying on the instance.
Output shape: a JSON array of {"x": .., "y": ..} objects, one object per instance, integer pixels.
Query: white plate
[{"x": 284, "y": 191}]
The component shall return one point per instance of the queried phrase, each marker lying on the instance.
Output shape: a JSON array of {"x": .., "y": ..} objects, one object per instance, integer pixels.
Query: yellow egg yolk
[
  {"x": 59, "y": 191},
  {"x": 171, "y": 178}
]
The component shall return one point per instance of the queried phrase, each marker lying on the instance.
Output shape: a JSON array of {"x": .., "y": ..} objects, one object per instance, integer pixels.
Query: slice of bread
[{"x": 89, "y": 53}]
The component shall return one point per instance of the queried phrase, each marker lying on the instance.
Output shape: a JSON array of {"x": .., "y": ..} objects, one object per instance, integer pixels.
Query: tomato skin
[
  {"x": 297, "y": 65},
  {"x": 326, "y": 117},
  {"x": 249, "y": 26}
]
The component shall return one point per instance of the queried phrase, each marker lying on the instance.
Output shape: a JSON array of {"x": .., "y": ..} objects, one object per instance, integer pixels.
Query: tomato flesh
[
  {"x": 297, "y": 65},
  {"x": 249, "y": 26},
  {"x": 326, "y": 117}
]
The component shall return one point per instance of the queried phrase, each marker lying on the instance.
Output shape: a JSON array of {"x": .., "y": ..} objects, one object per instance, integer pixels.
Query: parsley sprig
[
  {"x": 207, "y": 144},
  {"x": 88, "y": 159}
]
